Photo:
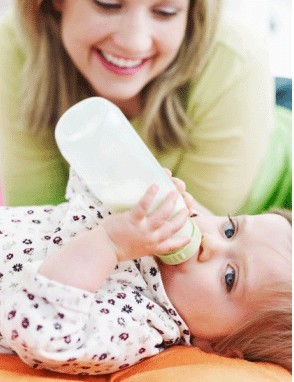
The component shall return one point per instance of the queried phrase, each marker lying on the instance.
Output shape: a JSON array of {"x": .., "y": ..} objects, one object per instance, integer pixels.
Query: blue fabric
[{"x": 284, "y": 92}]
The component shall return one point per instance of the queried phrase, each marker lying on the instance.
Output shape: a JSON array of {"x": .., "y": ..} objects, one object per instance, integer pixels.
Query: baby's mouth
[{"x": 200, "y": 250}]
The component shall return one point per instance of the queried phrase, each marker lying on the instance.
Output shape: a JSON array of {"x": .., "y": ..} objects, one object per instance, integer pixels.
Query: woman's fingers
[
  {"x": 180, "y": 185},
  {"x": 168, "y": 171},
  {"x": 189, "y": 201}
]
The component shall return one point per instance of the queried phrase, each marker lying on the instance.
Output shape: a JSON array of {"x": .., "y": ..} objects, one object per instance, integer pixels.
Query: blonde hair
[
  {"x": 266, "y": 336},
  {"x": 58, "y": 84}
]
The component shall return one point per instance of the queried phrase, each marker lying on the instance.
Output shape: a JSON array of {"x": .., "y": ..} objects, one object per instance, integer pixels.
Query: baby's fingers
[
  {"x": 171, "y": 227},
  {"x": 140, "y": 210},
  {"x": 164, "y": 212},
  {"x": 173, "y": 243}
]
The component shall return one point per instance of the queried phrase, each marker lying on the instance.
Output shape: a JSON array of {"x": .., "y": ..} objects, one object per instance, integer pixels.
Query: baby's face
[{"x": 219, "y": 287}]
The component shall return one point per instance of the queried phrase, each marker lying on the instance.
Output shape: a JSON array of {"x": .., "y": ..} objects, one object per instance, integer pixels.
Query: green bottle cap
[{"x": 184, "y": 254}]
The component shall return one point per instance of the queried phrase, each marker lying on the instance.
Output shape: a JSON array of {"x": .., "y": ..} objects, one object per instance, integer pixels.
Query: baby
[{"x": 82, "y": 293}]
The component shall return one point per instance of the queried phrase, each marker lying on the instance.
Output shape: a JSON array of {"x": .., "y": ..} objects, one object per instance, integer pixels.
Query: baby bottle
[{"x": 102, "y": 147}]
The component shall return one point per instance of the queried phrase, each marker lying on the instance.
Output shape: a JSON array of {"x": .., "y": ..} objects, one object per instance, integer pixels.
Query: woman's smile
[
  {"x": 120, "y": 65},
  {"x": 120, "y": 50}
]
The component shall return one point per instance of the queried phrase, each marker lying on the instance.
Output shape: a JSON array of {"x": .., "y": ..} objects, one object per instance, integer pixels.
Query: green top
[
  {"x": 231, "y": 105},
  {"x": 273, "y": 185}
]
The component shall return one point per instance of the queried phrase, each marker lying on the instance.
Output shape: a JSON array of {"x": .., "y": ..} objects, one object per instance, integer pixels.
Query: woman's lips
[{"x": 120, "y": 65}]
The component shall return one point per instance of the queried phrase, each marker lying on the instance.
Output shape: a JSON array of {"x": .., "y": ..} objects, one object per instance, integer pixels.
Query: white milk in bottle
[{"x": 102, "y": 147}]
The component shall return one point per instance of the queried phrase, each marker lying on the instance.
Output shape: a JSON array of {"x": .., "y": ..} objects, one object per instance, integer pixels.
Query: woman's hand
[
  {"x": 137, "y": 233},
  {"x": 193, "y": 206}
]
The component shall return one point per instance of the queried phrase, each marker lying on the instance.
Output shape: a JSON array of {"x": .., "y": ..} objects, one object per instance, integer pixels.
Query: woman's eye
[
  {"x": 229, "y": 228},
  {"x": 230, "y": 276},
  {"x": 107, "y": 4},
  {"x": 166, "y": 12}
]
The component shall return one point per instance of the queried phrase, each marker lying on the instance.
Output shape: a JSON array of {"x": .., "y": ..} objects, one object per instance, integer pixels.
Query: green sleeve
[
  {"x": 32, "y": 169},
  {"x": 231, "y": 106},
  {"x": 273, "y": 184}
]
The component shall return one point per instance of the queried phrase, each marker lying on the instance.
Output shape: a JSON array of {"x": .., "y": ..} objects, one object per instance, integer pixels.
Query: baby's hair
[
  {"x": 287, "y": 214},
  {"x": 266, "y": 336}
]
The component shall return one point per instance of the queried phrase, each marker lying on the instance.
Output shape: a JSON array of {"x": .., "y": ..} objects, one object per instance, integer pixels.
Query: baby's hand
[{"x": 136, "y": 233}]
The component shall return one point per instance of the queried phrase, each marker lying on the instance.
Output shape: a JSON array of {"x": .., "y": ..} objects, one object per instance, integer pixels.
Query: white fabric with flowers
[{"x": 61, "y": 328}]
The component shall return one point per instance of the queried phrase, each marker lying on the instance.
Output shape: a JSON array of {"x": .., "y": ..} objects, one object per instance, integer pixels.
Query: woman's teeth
[{"x": 121, "y": 62}]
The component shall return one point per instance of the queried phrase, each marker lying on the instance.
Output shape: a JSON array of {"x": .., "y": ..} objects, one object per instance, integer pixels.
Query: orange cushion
[{"x": 178, "y": 364}]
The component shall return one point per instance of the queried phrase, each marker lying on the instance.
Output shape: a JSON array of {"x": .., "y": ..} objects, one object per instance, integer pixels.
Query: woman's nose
[{"x": 134, "y": 35}]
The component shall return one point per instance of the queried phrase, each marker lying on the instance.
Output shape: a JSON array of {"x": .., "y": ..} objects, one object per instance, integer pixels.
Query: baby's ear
[
  {"x": 233, "y": 353},
  {"x": 57, "y": 4},
  {"x": 204, "y": 345},
  {"x": 207, "y": 347}
]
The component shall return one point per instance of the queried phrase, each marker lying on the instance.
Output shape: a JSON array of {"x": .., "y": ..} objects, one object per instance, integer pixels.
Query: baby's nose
[{"x": 208, "y": 248}]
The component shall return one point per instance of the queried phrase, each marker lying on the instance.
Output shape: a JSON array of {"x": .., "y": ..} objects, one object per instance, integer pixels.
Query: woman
[{"x": 195, "y": 86}]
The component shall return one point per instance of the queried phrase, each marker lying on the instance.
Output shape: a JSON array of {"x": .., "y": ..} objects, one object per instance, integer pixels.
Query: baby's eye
[
  {"x": 230, "y": 228},
  {"x": 230, "y": 276}
]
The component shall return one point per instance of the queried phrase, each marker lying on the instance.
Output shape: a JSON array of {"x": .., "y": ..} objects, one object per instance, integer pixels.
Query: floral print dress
[{"x": 58, "y": 327}]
